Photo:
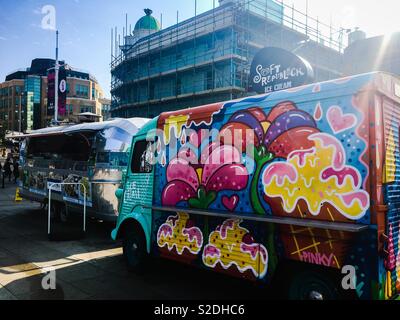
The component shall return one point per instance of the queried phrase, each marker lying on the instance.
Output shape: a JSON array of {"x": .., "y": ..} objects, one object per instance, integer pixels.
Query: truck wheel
[
  {"x": 134, "y": 249},
  {"x": 312, "y": 285},
  {"x": 54, "y": 214},
  {"x": 63, "y": 214},
  {"x": 59, "y": 212}
]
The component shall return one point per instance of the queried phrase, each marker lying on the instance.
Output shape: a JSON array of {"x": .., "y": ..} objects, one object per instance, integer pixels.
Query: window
[
  {"x": 86, "y": 109},
  {"x": 209, "y": 81},
  {"x": 210, "y": 44},
  {"x": 82, "y": 91},
  {"x": 178, "y": 87},
  {"x": 142, "y": 158},
  {"x": 95, "y": 94},
  {"x": 152, "y": 62},
  {"x": 152, "y": 91},
  {"x": 112, "y": 147},
  {"x": 75, "y": 147}
]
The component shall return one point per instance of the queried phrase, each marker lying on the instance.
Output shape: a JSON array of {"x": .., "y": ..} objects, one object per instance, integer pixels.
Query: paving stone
[
  {"x": 114, "y": 287},
  {"x": 6, "y": 295},
  {"x": 79, "y": 272},
  {"x": 63, "y": 291}
]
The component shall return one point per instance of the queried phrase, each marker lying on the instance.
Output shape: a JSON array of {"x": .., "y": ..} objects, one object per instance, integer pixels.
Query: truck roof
[{"x": 386, "y": 83}]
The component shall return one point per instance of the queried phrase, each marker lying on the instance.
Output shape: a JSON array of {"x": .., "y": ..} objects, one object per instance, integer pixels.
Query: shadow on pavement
[
  {"x": 107, "y": 279},
  {"x": 93, "y": 267}
]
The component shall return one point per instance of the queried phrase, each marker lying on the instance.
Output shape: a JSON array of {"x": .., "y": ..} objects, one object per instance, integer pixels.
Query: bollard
[{"x": 18, "y": 197}]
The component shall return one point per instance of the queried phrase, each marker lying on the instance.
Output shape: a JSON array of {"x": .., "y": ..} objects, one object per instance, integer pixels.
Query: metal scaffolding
[{"x": 207, "y": 58}]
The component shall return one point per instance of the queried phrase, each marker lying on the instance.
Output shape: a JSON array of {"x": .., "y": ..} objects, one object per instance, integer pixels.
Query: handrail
[
  {"x": 49, "y": 205},
  {"x": 337, "y": 226},
  {"x": 91, "y": 182},
  {"x": 103, "y": 181}
]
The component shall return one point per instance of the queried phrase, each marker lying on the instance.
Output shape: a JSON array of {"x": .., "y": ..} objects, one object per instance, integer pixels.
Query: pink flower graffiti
[{"x": 198, "y": 181}]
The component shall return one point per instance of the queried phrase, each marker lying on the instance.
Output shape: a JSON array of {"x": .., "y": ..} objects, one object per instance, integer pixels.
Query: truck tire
[
  {"x": 59, "y": 212},
  {"x": 63, "y": 214},
  {"x": 54, "y": 213},
  {"x": 134, "y": 249},
  {"x": 313, "y": 284}
]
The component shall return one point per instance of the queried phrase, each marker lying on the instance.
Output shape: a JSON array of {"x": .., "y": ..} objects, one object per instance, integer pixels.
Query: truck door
[
  {"x": 138, "y": 189},
  {"x": 139, "y": 183}
]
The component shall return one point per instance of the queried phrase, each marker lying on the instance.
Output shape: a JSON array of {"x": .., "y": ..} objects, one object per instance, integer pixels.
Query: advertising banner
[{"x": 62, "y": 92}]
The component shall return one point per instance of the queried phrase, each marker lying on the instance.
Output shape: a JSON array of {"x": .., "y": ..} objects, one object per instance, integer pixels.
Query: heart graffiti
[
  {"x": 230, "y": 202},
  {"x": 338, "y": 121}
]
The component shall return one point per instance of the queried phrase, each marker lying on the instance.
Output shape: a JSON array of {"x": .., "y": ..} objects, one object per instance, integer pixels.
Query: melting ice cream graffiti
[
  {"x": 318, "y": 175},
  {"x": 179, "y": 234},
  {"x": 232, "y": 245}
]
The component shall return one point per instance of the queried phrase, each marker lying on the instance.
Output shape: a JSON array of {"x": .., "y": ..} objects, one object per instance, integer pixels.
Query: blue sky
[{"x": 85, "y": 26}]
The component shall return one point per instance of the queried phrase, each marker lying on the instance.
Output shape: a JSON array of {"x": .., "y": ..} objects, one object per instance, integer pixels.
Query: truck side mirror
[{"x": 119, "y": 193}]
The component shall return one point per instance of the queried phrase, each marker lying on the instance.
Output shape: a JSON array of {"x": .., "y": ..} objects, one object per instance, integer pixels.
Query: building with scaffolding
[{"x": 207, "y": 58}]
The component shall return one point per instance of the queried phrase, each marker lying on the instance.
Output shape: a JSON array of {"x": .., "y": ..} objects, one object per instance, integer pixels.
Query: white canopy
[
  {"x": 131, "y": 125},
  {"x": 89, "y": 114}
]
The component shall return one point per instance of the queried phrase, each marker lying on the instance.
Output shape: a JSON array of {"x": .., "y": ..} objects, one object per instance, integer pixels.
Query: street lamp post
[
  {"x": 57, "y": 68},
  {"x": 20, "y": 113}
]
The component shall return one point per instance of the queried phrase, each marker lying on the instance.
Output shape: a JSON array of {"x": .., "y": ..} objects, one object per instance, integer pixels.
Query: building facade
[
  {"x": 30, "y": 87},
  {"x": 381, "y": 53},
  {"x": 207, "y": 58},
  {"x": 10, "y": 99},
  {"x": 105, "y": 108},
  {"x": 83, "y": 95}
]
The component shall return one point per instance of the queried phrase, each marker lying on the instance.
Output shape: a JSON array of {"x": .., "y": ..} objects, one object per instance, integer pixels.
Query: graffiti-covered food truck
[
  {"x": 300, "y": 185},
  {"x": 91, "y": 156}
]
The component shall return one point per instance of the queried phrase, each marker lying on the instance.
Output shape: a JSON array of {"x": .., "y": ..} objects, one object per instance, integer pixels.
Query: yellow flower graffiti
[{"x": 318, "y": 175}]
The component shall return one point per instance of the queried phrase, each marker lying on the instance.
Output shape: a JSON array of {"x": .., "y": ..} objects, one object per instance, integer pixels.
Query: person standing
[
  {"x": 16, "y": 171},
  {"x": 7, "y": 169},
  {"x": 2, "y": 174},
  {"x": 11, "y": 169}
]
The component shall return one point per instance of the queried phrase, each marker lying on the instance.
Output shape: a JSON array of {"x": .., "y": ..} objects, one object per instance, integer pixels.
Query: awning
[
  {"x": 131, "y": 125},
  {"x": 89, "y": 114}
]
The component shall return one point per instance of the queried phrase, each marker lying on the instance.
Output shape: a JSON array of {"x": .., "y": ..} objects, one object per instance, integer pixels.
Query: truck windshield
[{"x": 112, "y": 146}]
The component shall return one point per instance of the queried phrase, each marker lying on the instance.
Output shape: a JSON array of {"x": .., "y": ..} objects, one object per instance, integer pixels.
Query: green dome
[{"x": 148, "y": 22}]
